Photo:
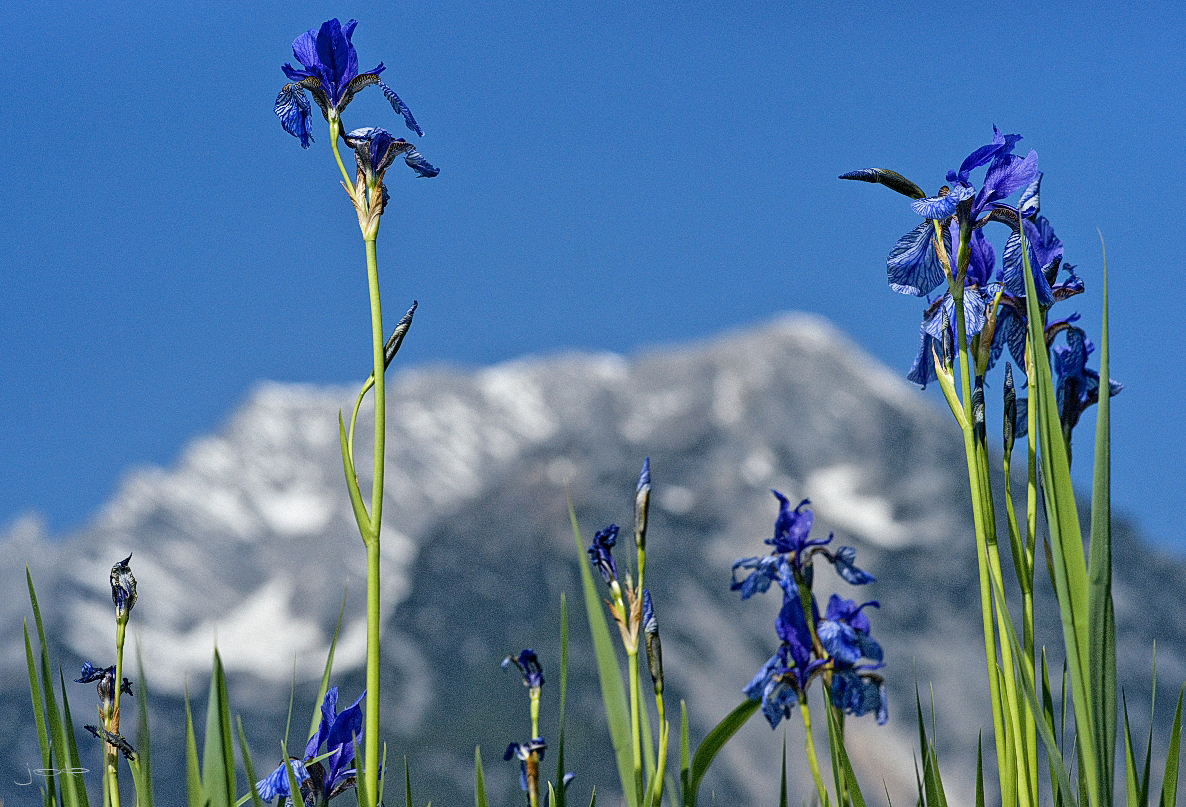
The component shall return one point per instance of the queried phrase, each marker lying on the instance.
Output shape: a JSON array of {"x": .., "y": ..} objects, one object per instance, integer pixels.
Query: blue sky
[{"x": 614, "y": 176}]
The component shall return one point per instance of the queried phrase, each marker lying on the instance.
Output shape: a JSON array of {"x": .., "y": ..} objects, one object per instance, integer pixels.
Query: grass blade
[
  {"x": 1169, "y": 783},
  {"x": 1062, "y": 520},
  {"x": 715, "y": 740},
  {"x": 782, "y": 785},
  {"x": 194, "y": 792},
  {"x": 75, "y": 785},
  {"x": 479, "y": 780},
  {"x": 247, "y": 766},
  {"x": 1101, "y": 614},
  {"x": 218, "y": 754},
  {"x": 144, "y": 794},
  {"x": 613, "y": 691},
  {"x": 49, "y": 791},
  {"x": 329, "y": 665}
]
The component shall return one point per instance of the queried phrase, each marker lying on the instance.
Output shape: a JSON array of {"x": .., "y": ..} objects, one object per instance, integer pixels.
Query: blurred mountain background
[{"x": 248, "y": 539}]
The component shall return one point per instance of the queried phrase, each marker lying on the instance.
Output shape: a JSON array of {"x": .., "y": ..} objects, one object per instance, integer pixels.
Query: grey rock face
[{"x": 249, "y": 540}]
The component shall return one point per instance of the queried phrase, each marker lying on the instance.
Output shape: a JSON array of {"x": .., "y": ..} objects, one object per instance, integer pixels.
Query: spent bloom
[
  {"x": 601, "y": 553},
  {"x": 329, "y": 71},
  {"x": 334, "y": 773},
  {"x": 105, "y": 676}
]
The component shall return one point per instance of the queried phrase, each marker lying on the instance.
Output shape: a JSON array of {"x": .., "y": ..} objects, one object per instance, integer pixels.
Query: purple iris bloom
[
  {"x": 528, "y": 664},
  {"x": 329, "y": 71},
  {"x": 522, "y": 751},
  {"x": 105, "y": 676},
  {"x": 844, "y": 631},
  {"x": 338, "y": 732},
  {"x": 858, "y": 694},
  {"x": 782, "y": 679},
  {"x": 976, "y": 302},
  {"x": 375, "y": 149},
  {"x": 1078, "y": 386},
  {"x": 600, "y": 554},
  {"x": 792, "y": 549}
]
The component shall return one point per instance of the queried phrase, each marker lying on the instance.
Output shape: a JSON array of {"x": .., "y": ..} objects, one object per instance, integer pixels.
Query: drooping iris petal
[
  {"x": 421, "y": 166},
  {"x": 844, "y": 561},
  {"x": 858, "y": 695},
  {"x": 276, "y": 783},
  {"x": 295, "y": 113},
  {"x": 913, "y": 265},
  {"x": 766, "y": 570},
  {"x": 940, "y": 207},
  {"x": 402, "y": 108}
]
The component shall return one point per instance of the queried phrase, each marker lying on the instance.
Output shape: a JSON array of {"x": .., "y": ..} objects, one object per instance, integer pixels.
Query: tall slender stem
[
  {"x": 809, "y": 749},
  {"x": 635, "y": 724},
  {"x": 371, "y": 730}
]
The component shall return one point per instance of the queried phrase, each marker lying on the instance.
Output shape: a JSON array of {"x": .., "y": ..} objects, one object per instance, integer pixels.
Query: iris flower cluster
[
  {"x": 123, "y": 596},
  {"x": 326, "y": 774},
  {"x": 836, "y": 647},
  {"x": 950, "y": 248},
  {"x": 531, "y": 752},
  {"x": 329, "y": 71}
]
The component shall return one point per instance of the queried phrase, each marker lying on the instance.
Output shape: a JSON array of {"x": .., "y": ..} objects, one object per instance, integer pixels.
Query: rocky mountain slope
[{"x": 249, "y": 540}]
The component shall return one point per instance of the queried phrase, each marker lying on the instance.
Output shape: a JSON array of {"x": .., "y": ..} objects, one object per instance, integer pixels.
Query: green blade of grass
[
  {"x": 1066, "y": 538},
  {"x": 194, "y": 792},
  {"x": 218, "y": 754},
  {"x": 49, "y": 791},
  {"x": 75, "y": 785},
  {"x": 144, "y": 794},
  {"x": 613, "y": 691},
  {"x": 852, "y": 789},
  {"x": 1132, "y": 788},
  {"x": 1169, "y": 782},
  {"x": 715, "y": 740},
  {"x": 1101, "y": 615},
  {"x": 479, "y": 780},
  {"x": 253, "y": 794},
  {"x": 979, "y": 773}
]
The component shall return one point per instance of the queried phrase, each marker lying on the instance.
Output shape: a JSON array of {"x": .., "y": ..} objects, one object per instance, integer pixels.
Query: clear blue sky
[{"x": 614, "y": 176}]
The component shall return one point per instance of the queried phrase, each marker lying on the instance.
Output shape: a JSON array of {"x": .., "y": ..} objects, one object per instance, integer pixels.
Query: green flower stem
[
  {"x": 335, "y": 128},
  {"x": 535, "y": 693},
  {"x": 635, "y": 725},
  {"x": 980, "y": 517},
  {"x": 809, "y": 749},
  {"x": 371, "y": 728},
  {"x": 111, "y": 721}
]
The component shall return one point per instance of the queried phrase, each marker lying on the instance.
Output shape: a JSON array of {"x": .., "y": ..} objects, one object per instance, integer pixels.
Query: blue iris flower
[
  {"x": 528, "y": 664},
  {"x": 522, "y": 751},
  {"x": 793, "y": 550},
  {"x": 784, "y": 678},
  {"x": 601, "y": 555},
  {"x": 375, "y": 149},
  {"x": 1078, "y": 386},
  {"x": 329, "y": 71},
  {"x": 844, "y": 631},
  {"x": 333, "y": 774}
]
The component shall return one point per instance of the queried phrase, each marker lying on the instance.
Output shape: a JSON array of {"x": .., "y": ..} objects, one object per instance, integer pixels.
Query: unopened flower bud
[
  {"x": 948, "y": 342},
  {"x": 123, "y": 588},
  {"x": 642, "y": 500},
  {"x": 1010, "y": 409},
  {"x": 650, "y": 629}
]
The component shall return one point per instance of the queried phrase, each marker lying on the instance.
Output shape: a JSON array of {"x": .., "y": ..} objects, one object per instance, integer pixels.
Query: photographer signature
[{"x": 46, "y": 773}]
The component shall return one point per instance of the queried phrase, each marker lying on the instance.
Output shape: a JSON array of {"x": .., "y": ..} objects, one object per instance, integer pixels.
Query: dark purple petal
[
  {"x": 421, "y": 166},
  {"x": 600, "y": 554},
  {"x": 294, "y": 111},
  {"x": 402, "y": 108},
  {"x": 791, "y": 526},
  {"x": 982, "y": 259},
  {"x": 844, "y": 563},
  {"x": 913, "y": 265}
]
